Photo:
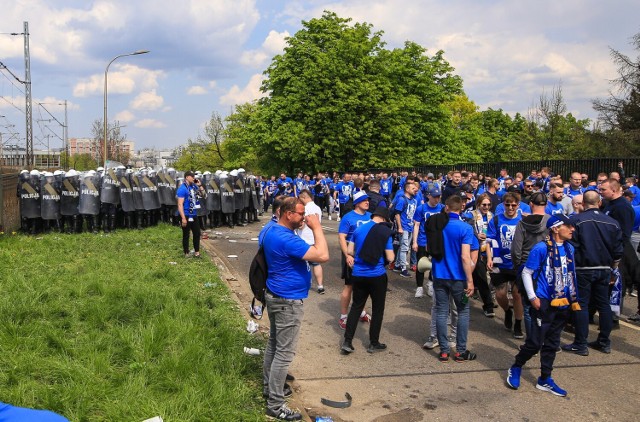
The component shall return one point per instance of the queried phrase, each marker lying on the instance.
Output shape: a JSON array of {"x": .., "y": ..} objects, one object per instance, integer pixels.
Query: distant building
[
  {"x": 151, "y": 157},
  {"x": 88, "y": 146}
]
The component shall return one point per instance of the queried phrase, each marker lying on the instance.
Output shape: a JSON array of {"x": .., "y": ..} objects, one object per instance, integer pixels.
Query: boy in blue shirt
[{"x": 550, "y": 282}]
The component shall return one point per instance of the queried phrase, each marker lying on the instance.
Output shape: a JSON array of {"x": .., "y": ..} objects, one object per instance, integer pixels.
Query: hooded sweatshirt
[{"x": 529, "y": 231}]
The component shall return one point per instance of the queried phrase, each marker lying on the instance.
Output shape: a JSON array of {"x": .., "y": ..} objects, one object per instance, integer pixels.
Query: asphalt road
[{"x": 406, "y": 383}]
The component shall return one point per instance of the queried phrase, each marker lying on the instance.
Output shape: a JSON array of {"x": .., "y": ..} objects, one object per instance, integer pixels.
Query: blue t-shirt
[
  {"x": 361, "y": 268},
  {"x": 191, "y": 202},
  {"x": 571, "y": 193},
  {"x": 455, "y": 234},
  {"x": 503, "y": 235},
  {"x": 351, "y": 221},
  {"x": 289, "y": 276},
  {"x": 406, "y": 207},
  {"x": 385, "y": 187},
  {"x": 636, "y": 221},
  {"x": 545, "y": 281},
  {"x": 10, "y": 413},
  {"x": 636, "y": 192},
  {"x": 556, "y": 208},
  {"x": 423, "y": 212},
  {"x": 522, "y": 207},
  {"x": 300, "y": 184},
  {"x": 285, "y": 186},
  {"x": 345, "y": 190}
]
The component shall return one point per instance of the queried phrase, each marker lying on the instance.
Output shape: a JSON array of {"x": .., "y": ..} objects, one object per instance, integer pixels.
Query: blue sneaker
[
  {"x": 513, "y": 377},
  {"x": 550, "y": 386}
]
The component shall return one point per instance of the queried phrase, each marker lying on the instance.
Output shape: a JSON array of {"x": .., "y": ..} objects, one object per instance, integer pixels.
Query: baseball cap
[
  {"x": 558, "y": 220},
  {"x": 381, "y": 212},
  {"x": 435, "y": 191},
  {"x": 359, "y": 197},
  {"x": 429, "y": 175},
  {"x": 538, "y": 198}
]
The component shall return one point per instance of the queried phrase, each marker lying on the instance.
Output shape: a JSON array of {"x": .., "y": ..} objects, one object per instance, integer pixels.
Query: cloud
[
  {"x": 121, "y": 79},
  {"x": 150, "y": 123},
  {"x": 125, "y": 116},
  {"x": 147, "y": 101},
  {"x": 250, "y": 92},
  {"x": 273, "y": 44},
  {"x": 196, "y": 90}
]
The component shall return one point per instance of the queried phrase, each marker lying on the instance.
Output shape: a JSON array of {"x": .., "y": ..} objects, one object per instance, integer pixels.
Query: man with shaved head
[{"x": 598, "y": 242}]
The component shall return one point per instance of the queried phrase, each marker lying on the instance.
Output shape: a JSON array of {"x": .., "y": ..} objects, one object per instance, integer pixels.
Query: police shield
[
  {"x": 238, "y": 191},
  {"x": 126, "y": 193},
  {"x": 212, "y": 185},
  {"x": 226, "y": 192},
  {"x": 50, "y": 195},
  {"x": 89, "y": 195},
  {"x": 253, "y": 181},
  {"x": 30, "y": 197},
  {"x": 70, "y": 196},
  {"x": 110, "y": 188},
  {"x": 201, "y": 211},
  {"x": 172, "y": 184},
  {"x": 163, "y": 187},
  {"x": 134, "y": 181},
  {"x": 150, "y": 198}
]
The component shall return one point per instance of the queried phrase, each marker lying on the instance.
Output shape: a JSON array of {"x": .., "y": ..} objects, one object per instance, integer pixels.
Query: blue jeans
[
  {"x": 401, "y": 261},
  {"x": 593, "y": 285},
  {"x": 285, "y": 317},
  {"x": 442, "y": 290}
]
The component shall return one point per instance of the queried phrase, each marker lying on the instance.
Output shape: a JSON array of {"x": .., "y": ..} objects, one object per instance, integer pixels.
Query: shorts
[
  {"x": 313, "y": 264},
  {"x": 502, "y": 277},
  {"x": 346, "y": 271}
]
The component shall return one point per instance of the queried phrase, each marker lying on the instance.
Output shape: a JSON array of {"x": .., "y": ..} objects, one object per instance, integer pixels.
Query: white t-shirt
[{"x": 305, "y": 233}]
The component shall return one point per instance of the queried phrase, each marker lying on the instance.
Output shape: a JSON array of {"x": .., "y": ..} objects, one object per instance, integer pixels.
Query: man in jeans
[
  {"x": 405, "y": 208},
  {"x": 288, "y": 283},
  {"x": 452, "y": 275}
]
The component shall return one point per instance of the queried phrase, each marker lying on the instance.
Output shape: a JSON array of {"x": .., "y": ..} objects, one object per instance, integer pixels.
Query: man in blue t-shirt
[
  {"x": 288, "y": 283},
  {"x": 189, "y": 194},
  {"x": 550, "y": 282},
  {"x": 386, "y": 185},
  {"x": 554, "y": 205},
  {"x": 575, "y": 186},
  {"x": 405, "y": 208},
  {"x": 349, "y": 223},
  {"x": 344, "y": 190},
  {"x": 452, "y": 276},
  {"x": 423, "y": 212},
  {"x": 369, "y": 247},
  {"x": 285, "y": 185},
  {"x": 500, "y": 231}
]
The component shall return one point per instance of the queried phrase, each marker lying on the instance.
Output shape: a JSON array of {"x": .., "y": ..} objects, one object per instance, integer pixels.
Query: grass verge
[{"x": 122, "y": 328}]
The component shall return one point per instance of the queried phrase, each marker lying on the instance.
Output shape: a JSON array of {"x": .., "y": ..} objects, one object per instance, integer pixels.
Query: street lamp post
[{"x": 105, "y": 134}]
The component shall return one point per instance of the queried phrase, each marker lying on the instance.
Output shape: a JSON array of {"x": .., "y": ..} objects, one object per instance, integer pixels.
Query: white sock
[
  {"x": 363, "y": 314},
  {"x": 343, "y": 316}
]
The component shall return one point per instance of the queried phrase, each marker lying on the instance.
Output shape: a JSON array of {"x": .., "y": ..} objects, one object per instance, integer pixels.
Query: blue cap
[
  {"x": 434, "y": 191},
  {"x": 558, "y": 220}
]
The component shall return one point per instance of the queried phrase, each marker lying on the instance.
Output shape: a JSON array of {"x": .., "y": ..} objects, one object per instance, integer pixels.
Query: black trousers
[
  {"x": 422, "y": 251},
  {"x": 481, "y": 283},
  {"x": 363, "y": 288},
  {"x": 193, "y": 227},
  {"x": 547, "y": 324}
]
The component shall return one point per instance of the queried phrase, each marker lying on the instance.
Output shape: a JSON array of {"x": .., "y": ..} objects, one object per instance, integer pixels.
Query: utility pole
[
  {"x": 66, "y": 137},
  {"x": 27, "y": 93}
]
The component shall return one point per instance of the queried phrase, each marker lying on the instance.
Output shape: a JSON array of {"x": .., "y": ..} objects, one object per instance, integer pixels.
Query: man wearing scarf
[{"x": 550, "y": 282}]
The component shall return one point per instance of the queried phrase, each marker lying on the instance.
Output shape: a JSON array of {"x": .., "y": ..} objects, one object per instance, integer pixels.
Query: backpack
[
  {"x": 435, "y": 239},
  {"x": 258, "y": 273}
]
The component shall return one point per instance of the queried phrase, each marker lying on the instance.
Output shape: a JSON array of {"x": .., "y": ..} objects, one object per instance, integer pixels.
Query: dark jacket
[
  {"x": 597, "y": 239},
  {"x": 531, "y": 230}
]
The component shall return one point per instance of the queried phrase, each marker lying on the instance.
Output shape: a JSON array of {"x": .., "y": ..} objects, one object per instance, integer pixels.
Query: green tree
[
  {"x": 619, "y": 114},
  {"x": 206, "y": 151},
  {"x": 82, "y": 162},
  {"x": 338, "y": 99}
]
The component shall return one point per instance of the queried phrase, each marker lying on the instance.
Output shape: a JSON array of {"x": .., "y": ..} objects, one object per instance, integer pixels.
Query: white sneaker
[
  {"x": 420, "y": 291},
  {"x": 338, "y": 219},
  {"x": 329, "y": 218},
  {"x": 432, "y": 342},
  {"x": 430, "y": 288}
]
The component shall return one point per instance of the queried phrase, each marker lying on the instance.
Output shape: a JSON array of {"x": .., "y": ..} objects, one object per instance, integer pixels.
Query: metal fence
[
  {"x": 10, "y": 211},
  {"x": 562, "y": 167}
]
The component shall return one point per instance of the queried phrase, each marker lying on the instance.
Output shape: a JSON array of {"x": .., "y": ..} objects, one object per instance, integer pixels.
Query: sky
[{"x": 207, "y": 56}]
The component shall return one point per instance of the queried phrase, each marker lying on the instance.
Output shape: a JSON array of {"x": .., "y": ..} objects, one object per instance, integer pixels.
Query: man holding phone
[{"x": 189, "y": 194}]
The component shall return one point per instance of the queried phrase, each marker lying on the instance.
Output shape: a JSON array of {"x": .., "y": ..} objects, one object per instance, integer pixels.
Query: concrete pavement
[{"x": 406, "y": 383}]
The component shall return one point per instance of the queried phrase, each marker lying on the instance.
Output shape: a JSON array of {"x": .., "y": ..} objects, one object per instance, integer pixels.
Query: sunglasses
[{"x": 511, "y": 205}]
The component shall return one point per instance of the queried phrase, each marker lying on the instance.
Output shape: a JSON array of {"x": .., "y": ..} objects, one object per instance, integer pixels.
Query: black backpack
[{"x": 258, "y": 273}]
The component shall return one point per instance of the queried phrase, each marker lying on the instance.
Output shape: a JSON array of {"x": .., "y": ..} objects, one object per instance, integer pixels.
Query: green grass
[{"x": 106, "y": 328}]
